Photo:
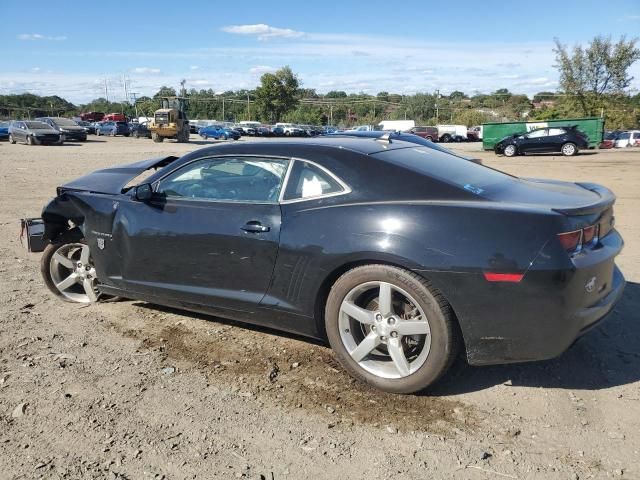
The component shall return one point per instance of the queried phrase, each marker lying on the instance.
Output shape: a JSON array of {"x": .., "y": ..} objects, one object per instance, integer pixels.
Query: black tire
[
  {"x": 446, "y": 138},
  {"x": 113, "y": 133},
  {"x": 445, "y": 340},
  {"x": 204, "y": 136},
  {"x": 12, "y": 140},
  {"x": 569, "y": 149},
  {"x": 30, "y": 140},
  {"x": 157, "y": 138},
  {"x": 126, "y": 134},
  {"x": 97, "y": 132},
  {"x": 510, "y": 151},
  {"x": 136, "y": 134}
]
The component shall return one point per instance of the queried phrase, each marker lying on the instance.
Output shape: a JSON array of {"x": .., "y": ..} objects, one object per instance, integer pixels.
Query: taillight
[
  {"x": 575, "y": 241},
  {"x": 571, "y": 241},
  {"x": 589, "y": 234},
  {"x": 503, "y": 277}
]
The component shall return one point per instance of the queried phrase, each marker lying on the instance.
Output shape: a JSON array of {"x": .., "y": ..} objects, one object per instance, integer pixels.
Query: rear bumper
[{"x": 541, "y": 316}]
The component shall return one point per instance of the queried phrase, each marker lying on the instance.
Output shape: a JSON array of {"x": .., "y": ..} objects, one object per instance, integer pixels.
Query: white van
[{"x": 628, "y": 139}]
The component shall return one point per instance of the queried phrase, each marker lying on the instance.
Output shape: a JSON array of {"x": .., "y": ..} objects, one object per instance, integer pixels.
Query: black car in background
[
  {"x": 565, "y": 140},
  {"x": 89, "y": 127},
  {"x": 139, "y": 130},
  {"x": 398, "y": 254},
  {"x": 69, "y": 128},
  {"x": 33, "y": 132}
]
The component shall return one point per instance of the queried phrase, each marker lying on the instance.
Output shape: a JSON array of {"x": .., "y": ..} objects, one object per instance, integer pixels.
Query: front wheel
[
  {"x": 390, "y": 328},
  {"x": 510, "y": 151},
  {"x": 569, "y": 149},
  {"x": 68, "y": 271},
  {"x": 156, "y": 138},
  {"x": 12, "y": 140},
  {"x": 30, "y": 140}
]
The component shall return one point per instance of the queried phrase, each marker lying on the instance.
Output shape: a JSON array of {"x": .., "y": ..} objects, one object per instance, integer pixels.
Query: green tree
[
  {"x": 277, "y": 94},
  {"x": 591, "y": 74}
]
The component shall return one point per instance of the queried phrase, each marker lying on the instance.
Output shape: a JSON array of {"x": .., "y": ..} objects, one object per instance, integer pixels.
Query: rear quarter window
[{"x": 447, "y": 168}]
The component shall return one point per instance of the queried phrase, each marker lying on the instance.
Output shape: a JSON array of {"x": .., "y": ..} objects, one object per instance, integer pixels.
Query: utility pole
[
  {"x": 183, "y": 91},
  {"x": 106, "y": 89},
  {"x": 135, "y": 102},
  {"x": 223, "y": 117},
  {"x": 437, "y": 111},
  {"x": 248, "y": 108},
  {"x": 330, "y": 114}
]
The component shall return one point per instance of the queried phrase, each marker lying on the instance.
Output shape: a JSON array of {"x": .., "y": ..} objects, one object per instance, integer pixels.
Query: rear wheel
[
  {"x": 136, "y": 134},
  {"x": 156, "y": 138},
  {"x": 390, "y": 328},
  {"x": 569, "y": 149},
  {"x": 97, "y": 133},
  {"x": 68, "y": 270},
  {"x": 446, "y": 138},
  {"x": 510, "y": 151}
]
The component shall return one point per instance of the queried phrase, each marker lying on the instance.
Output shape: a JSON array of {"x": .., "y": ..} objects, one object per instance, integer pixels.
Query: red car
[
  {"x": 609, "y": 140},
  {"x": 91, "y": 116},
  {"x": 430, "y": 133},
  {"x": 115, "y": 117}
]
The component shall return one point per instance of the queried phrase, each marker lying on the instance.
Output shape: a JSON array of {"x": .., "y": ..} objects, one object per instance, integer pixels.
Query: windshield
[
  {"x": 624, "y": 136},
  {"x": 37, "y": 125},
  {"x": 65, "y": 122},
  {"x": 446, "y": 167}
]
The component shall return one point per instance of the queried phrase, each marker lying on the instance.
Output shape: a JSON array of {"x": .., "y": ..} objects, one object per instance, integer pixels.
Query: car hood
[
  {"x": 113, "y": 180},
  {"x": 72, "y": 128},
  {"x": 40, "y": 131}
]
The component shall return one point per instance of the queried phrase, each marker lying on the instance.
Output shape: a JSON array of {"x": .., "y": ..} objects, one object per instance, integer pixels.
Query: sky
[{"x": 72, "y": 49}]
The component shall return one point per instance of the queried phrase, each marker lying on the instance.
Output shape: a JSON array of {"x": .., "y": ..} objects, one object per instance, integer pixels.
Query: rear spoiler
[{"x": 607, "y": 199}]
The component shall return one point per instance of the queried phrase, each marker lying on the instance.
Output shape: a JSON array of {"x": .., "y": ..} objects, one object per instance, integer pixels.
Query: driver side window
[{"x": 235, "y": 179}]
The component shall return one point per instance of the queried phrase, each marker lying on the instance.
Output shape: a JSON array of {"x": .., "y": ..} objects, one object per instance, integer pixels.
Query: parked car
[
  {"x": 628, "y": 139},
  {"x": 113, "y": 129},
  {"x": 4, "y": 130},
  {"x": 92, "y": 116},
  {"x": 88, "y": 127},
  {"x": 34, "y": 133},
  {"x": 277, "y": 131},
  {"x": 290, "y": 130},
  {"x": 263, "y": 131},
  {"x": 70, "y": 129},
  {"x": 609, "y": 140},
  {"x": 139, "y": 130},
  {"x": 474, "y": 134},
  {"x": 565, "y": 140},
  {"x": 403, "y": 136},
  {"x": 114, "y": 117},
  {"x": 385, "y": 251},
  {"x": 429, "y": 133},
  {"x": 218, "y": 132}
]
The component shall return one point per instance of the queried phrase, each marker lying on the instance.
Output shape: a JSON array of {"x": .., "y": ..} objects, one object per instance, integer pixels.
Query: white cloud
[
  {"x": 36, "y": 69},
  {"x": 146, "y": 70},
  {"x": 194, "y": 67},
  {"x": 262, "y": 31},
  {"x": 260, "y": 69},
  {"x": 38, "y": 36}
]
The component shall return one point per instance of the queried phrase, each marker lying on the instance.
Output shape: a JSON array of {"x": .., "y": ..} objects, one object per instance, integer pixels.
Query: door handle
[{"x": 255, "y": 227}]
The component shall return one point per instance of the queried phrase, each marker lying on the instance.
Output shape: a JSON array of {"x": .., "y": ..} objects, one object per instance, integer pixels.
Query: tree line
[{"x": 594, "y": 80}]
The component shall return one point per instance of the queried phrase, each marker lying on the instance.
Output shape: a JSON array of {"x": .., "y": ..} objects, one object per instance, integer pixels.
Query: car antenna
[{"x": 385, "y": 138}]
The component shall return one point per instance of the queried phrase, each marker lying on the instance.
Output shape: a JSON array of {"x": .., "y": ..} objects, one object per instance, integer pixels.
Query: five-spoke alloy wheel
[
  {"x": 390, "y": 328},
  {"x": 69, "y": 272}
]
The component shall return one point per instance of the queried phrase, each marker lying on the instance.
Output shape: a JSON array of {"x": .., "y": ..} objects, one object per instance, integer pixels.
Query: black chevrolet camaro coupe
[{"x": 398, "y": 254}]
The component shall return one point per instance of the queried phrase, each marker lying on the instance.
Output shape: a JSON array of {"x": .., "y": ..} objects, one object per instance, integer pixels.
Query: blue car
[
  {"x": 4, "y": 130},
  {"x": 113, "y": 129},
  {"x": 218, "y": 132}
]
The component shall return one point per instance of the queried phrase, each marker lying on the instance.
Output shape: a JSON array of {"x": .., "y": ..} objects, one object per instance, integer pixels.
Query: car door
[
  {"x": 556, "y": 138},
  {"x": 209, "y": 235},
  {"x": 534, "y": 141},
  {"x": 18, "y": 131}
]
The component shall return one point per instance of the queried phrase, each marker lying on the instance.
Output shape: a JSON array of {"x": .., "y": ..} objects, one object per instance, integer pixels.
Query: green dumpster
[{"x": 492, "y": 133}]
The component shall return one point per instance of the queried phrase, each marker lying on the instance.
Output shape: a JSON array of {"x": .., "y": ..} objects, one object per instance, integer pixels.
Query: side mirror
[{"x": 144, "y": 192}]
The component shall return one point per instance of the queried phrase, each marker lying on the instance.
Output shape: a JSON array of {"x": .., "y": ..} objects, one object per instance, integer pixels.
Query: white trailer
[
  {"x": 397, "y": 125},
  {"x": 452, "y": 133}
]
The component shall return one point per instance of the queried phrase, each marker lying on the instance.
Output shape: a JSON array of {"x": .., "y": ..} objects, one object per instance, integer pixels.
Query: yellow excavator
[{"x": 170, "y": 121}]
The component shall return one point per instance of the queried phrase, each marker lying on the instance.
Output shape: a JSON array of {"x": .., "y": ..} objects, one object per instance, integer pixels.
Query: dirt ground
[{"x": 129, "y": 390}]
